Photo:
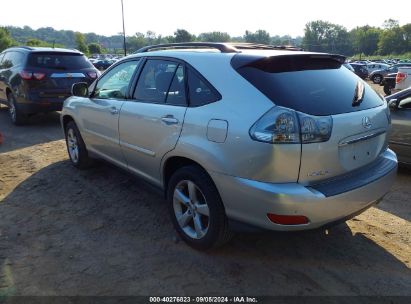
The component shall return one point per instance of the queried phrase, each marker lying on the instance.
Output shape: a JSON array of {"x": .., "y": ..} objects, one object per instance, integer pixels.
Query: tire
[
  {"x": 16, "y": 116},
  {"x": 377, "y": 78},
  {"x": 76, "y": 147},
  {"x": 197, "y": 214},
  {"x": 387, "y": 89}
]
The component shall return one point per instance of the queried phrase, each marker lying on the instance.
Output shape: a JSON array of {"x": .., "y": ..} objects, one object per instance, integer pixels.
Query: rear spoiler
[{"x": 288, "y": 62}]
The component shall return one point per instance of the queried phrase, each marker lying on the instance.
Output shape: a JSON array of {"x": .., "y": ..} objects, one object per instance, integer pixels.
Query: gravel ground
[{"x": 104, "y": 232}]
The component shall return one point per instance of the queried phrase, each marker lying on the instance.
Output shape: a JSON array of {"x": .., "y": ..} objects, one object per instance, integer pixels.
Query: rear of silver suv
[{"x": 290, "y": 141}]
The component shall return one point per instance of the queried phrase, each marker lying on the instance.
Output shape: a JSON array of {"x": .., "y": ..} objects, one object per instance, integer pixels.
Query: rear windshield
[
  {"x": 59, "y": 61},
  {"x": 316, "y": 86}
]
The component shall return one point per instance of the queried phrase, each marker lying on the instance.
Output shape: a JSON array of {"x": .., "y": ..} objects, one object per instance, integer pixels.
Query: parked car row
[
  {"x": 392, "y": 77},
  {"x": 102, "y": 62},
  {"x": 177, "y": 118}
]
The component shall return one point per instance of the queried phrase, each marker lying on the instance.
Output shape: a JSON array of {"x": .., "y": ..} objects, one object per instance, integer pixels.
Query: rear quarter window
[{"x": 316, "y": 86}]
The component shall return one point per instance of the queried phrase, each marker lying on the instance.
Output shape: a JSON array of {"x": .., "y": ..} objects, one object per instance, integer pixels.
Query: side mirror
[
  {"x": 392, "y": 104},
  {"x": 80, "y": 89}
]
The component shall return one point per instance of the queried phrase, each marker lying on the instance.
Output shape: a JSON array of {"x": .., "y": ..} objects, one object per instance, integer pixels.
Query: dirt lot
[{"x": 104, "y": 232}]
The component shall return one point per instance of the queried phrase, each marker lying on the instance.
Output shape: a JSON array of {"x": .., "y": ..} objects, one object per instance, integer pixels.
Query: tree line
[
  {"x": 92, "y": 43},
  {"x": 321, "y": 36},
  {"x": 324, "y": 36}
]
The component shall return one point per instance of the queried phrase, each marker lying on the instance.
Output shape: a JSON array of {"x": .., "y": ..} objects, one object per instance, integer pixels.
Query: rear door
[
  {"x": 100, "y": 116},
  {"x": 150, "y": 124},
  {"x": 2, "y": 80},
  {"x": 9, "y": 68}
]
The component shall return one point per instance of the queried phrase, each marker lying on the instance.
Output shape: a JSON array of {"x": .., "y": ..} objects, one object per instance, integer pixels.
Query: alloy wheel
[
  {"x": 72, "y": 146},
  {"x": 191, "y": 209}
]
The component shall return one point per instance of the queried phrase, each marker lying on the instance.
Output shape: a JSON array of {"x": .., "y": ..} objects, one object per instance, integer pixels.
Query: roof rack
[
  {"x": 257, "y": 46},
  {"x": 222, "y": 47},
  {"x": 22, "y": 47}
]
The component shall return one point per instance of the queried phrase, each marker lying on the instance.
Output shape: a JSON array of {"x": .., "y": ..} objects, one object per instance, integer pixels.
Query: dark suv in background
[{"x": 36, "y": 79}]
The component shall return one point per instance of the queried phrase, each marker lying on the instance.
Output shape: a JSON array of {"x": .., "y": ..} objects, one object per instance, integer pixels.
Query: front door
[{"x": 100, "y": 116}]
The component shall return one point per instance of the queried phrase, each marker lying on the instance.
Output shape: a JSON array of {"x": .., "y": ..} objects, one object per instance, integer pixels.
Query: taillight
[
  {"x": 284, "y": 126},
  {"x": 400, "y": 77},
  {"x": 39, "y": 76},
  {"x": 315, "y": 128},
  {"x": 92, "y": 75},
  {"x": 26, "y": 75},
  {"x": 277, "y": 126}
]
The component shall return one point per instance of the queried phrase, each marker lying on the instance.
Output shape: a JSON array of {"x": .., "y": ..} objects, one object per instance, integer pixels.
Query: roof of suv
[
  {"x": 223, "y": 47},
  {"x": 252, "y": 50},
  {"x": 33, "y": 49}
]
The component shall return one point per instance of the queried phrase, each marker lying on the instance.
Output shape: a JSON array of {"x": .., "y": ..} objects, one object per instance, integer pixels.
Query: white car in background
[{"x": 403, "y": 79}]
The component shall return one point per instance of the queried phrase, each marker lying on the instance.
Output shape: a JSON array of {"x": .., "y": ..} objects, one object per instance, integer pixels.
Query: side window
[
  {"x": 116, "y": 82},
  {"x": 12, "y": 59},
  {"x": 7, "y": 62},
  {"x": 1, "y": 58},
  {"x": 177, "y": 93},
  {"x": 155, "y": 81},
  {"x": 200, "y": 92}
]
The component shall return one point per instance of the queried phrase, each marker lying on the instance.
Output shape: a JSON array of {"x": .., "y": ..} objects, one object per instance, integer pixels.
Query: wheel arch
[
  {"x": 65, "y": 119},
  {"x": 173, "y": 163}
]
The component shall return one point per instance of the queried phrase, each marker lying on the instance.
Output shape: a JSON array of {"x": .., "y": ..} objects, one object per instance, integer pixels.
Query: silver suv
[{"x": 255, "y": 135}]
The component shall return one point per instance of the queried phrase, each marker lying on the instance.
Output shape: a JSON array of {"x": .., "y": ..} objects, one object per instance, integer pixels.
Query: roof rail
[
  {"x": 221, "y": 46},
  {"x": 257, "y": 46},
  {"x": 22, "y": 47}
]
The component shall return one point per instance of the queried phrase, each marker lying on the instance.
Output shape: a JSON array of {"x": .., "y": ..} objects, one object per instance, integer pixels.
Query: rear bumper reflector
[{"x": 288, "y": 219}]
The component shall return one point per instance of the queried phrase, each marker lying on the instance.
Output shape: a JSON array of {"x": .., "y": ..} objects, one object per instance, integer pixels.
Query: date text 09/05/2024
[{"x": 203, "y": 299}]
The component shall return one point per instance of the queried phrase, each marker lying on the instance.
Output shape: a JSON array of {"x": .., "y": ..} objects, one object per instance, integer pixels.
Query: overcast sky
[{"x": 165, "y": 16}]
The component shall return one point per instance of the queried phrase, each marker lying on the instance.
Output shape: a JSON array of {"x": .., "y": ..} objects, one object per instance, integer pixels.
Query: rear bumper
[
  {"x": 31, "y": 108},
  {"x": 249, "y": 201},
  {"x": 37, "y": 104}
]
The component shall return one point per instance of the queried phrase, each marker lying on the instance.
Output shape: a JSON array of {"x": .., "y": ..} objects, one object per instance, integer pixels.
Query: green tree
[
  {"x": 365, "y": 39},
  {"x": 136, "y": 42},
  {"x": 5, "y": 39},
  {"x": 392, "y": 40},
  {"x": 94, "y": 48},
  {"x": 260, "y": 36},
  {"x": 214, "y": 37},
  {"x": 323, "y": 36},
  {"x": 390, "y": 24},
  {"x": 81, "y": 42},
  {"x": 406, "y": 30},
  {"x": 181, "y": 35}
]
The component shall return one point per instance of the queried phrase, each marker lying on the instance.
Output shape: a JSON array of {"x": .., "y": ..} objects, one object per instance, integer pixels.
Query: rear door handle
[
  {"x": 113, "y": 110},
  {"x": 169, "y": 120}
]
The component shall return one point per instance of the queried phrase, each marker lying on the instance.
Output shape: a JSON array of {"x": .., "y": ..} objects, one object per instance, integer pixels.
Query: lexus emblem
[
  {"x": 366, "y": 122},
  {"x": 69, "y": 75}
]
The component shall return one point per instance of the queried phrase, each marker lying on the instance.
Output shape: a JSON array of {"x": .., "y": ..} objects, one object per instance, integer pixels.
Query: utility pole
[{"x": 124, "y": 30}]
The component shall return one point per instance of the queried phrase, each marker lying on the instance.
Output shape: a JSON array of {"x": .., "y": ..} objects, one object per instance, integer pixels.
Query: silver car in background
[{"x": 255, "y": 135}]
